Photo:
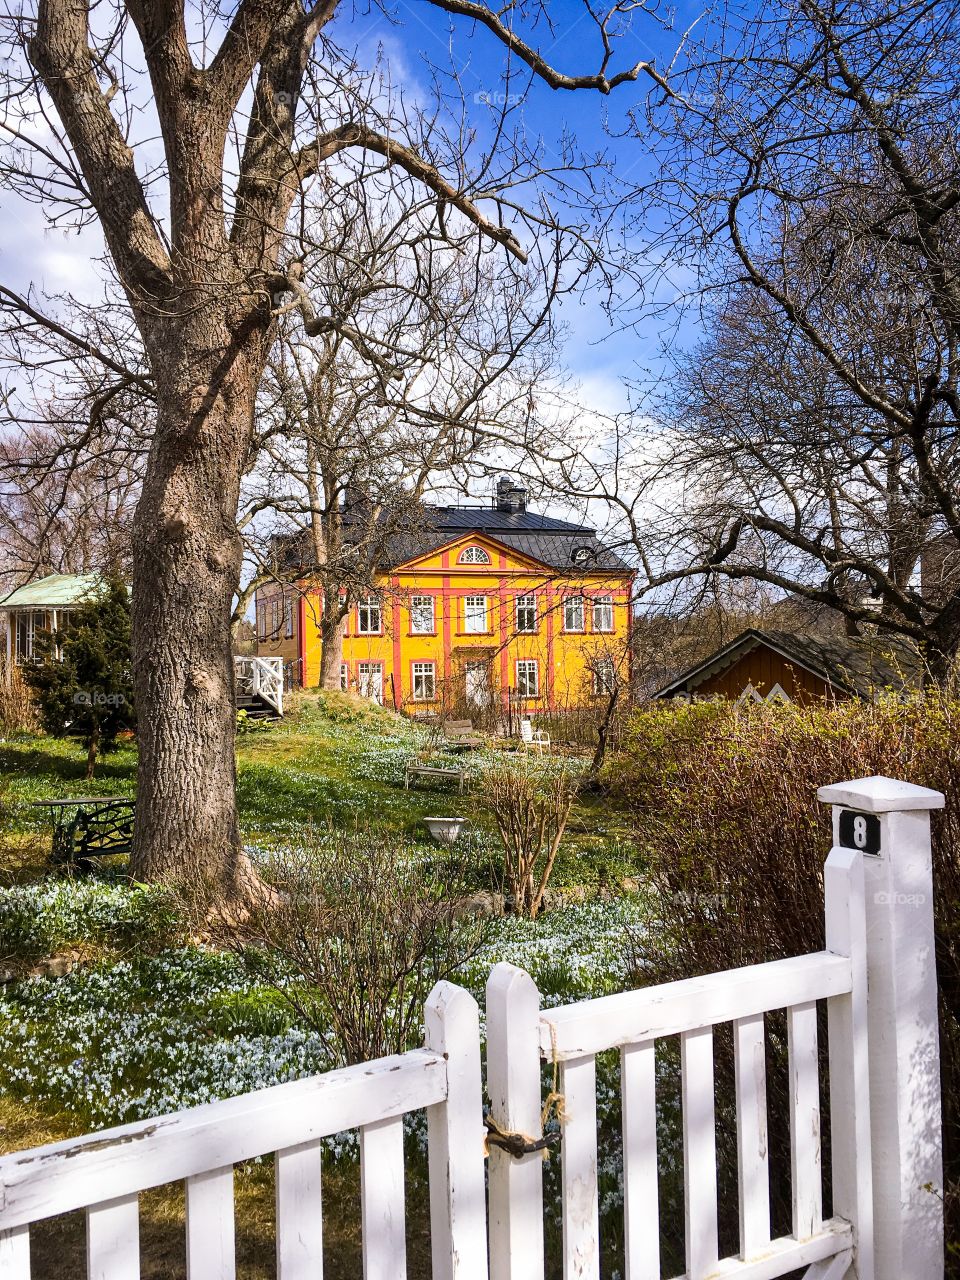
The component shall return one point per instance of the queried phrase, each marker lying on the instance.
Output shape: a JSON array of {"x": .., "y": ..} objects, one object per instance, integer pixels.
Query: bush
[
  {"x": 355, "y": 935},
  {"x": 726, "y": 801},
  {"x": 530, "y": 805},
  {"x": 18, "y": 712}
]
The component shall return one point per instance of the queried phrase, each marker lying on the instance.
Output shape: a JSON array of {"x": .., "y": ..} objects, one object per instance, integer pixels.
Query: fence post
[
  {"x": 455, "y": 1134},
  {"x": 513, "y": 1086},
  {"x": 888, "y": 823}
]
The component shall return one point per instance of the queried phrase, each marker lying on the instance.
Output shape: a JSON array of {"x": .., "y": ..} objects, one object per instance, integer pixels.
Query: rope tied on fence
[{"x": 519, "y": 1144}]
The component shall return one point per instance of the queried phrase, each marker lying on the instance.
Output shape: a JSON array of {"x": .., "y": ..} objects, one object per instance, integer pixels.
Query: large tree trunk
[
  {"x": 186, "y": 562},
  {"x": 332, "y": 627}
]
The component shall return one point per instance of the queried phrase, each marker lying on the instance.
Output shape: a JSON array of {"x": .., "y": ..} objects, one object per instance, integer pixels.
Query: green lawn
[{"x": 334, "y": 762}]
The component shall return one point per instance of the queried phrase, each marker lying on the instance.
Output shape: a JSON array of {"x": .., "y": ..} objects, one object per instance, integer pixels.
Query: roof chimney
[{"x": 511, "y": 497}]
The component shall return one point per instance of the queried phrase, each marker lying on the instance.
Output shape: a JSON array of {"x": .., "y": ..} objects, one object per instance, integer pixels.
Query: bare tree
[
  {"x": 808, "y": 205},
  {"x": 199, "y": 242},
  {"x": 813, "y": 169}
]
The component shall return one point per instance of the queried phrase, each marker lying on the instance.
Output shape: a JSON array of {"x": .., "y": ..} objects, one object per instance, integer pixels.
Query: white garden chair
[{"x": 530, "y": 737}]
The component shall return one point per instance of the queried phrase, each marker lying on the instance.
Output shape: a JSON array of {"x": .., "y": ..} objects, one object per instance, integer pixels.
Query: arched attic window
[{"x": 473, "y": 555}]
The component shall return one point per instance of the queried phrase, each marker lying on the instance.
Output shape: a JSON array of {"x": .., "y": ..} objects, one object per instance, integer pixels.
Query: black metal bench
[{"x": 88, "y": 827}]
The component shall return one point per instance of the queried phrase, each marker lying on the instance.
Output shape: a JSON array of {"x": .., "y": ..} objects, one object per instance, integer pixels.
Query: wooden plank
[
  {"x": 590, "y": 1026},
  {"x": 211, "y": 1244},
  {"x": 641, "y": 1208},
  {"x": 752, "y": 1146},
  {"x": 787, "y": 1254},
  {"x": 699, "y": 1152},
  {"x": 118, "y": 1162},
  {"x": 806, "y": 1178},
  {"x": 382, "y": 1200},
  {"x": 513, "y": 1086},
  {"x": 455, "y": 1134},
  {"x": 113, "y": 1240},
  {"x": 835, "y": 1268},
  {"x": 15, "y": 1254},
  {"x": 581, "y": 1215},
  {"x": 299, "y": 1213}
]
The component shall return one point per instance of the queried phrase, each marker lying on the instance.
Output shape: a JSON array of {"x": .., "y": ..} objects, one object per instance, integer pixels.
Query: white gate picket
[
  {"x": 513, "y": 1086},
  {"x": 299, "y": 1213},
  {"x": 699, "y": 1151},
  {"x": 804, "y": 1072},
  {"x": 113, "y": 1240},
  {"x": 578, "y": 1170},
  {"x": 15, "y": 1254},
  {"x": 641, "y": 1208},
  {"x": 211, "y": 1232},
  {"x": 382, "y": 1200},
  {"x": 752, "y": 1155}
]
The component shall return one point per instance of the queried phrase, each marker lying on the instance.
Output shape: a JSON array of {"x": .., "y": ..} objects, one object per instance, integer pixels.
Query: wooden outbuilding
[{"x": 770, "y": 666}]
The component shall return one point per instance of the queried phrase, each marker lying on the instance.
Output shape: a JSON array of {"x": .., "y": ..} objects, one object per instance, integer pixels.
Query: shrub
[
  {"x": 354, "y": 937},
  {"x": 530, "y": 806},
  {"x": 18, "y": 712},
  {"x": 726, "y": 801},
  {"x": 84, "y": 686}
]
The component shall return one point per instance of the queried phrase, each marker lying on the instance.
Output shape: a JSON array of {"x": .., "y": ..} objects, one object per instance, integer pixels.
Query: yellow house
[{"x": 487, "y": 607}]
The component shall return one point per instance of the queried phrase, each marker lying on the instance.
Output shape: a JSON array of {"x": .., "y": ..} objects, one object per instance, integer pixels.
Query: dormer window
[{"x": 473, "y": 555}]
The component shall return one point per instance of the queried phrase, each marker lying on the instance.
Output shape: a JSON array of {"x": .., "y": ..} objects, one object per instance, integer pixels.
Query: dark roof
[
  {"x": 853, "y": 666},
  {"x": 545, "y": 538}
]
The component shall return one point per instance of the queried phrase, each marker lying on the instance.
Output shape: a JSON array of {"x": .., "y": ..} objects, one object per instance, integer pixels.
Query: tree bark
[
  {"x": 187, "y": 560},
  {"x": 332, "y": 626}
]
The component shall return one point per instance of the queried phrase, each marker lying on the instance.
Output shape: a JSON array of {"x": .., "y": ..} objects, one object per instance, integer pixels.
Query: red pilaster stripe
[
  {"x": 397, "y": 654},
  {"x": 550, "y": 663},
  {"x": 504, "y": 656}
]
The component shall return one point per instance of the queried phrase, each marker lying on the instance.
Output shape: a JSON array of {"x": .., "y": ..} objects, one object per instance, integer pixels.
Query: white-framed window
[
  {"x": 422, "y": 615},
  {"x": 262, "y": 620},
  {"x": 369, "y": 616},
  {"x": 424, "y": 681},
  {"x": 528, "y": 678},
  {"x": 604, "y": 676},
  {"x": 288, "y": 617},
  {"x": 473, "y": 555},
  {"x": 526, "y": 614},
  {"x": 276, "y": 614},
  {"x": 474, "y": 614},
  {"x": 573, "y": 613},
  {"x": 603, "y": 613},
  {"x": 370, "y": 680},
  {"x": 344, "y": 677}
]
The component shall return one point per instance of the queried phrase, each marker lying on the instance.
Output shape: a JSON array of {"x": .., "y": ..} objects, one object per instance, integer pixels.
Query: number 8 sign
[{"x": 860, "y": 831}]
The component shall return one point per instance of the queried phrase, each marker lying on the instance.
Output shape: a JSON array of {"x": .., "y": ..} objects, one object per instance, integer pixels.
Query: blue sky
[{"x": 599, "y": 354}]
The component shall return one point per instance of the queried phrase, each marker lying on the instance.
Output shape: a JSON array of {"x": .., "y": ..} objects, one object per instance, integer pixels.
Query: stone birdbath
[{"x": 444, "y": 830}]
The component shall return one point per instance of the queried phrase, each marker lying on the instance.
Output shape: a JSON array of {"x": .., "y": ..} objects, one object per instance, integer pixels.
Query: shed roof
[
  {"x": 53, "y": 592},
  {"x": 856, "y": 667}
]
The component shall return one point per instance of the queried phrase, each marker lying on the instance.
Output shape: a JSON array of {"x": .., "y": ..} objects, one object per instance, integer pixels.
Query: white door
[
  {"x": 370, "y": 680},
  {"x": 478, "y": 683}
]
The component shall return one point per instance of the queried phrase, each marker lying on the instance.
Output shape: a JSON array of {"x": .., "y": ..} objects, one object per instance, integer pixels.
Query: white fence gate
[{"x": 877, "y": 978}]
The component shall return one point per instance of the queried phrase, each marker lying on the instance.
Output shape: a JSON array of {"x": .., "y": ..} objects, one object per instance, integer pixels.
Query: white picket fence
[{"x": 876, "y": 976}]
